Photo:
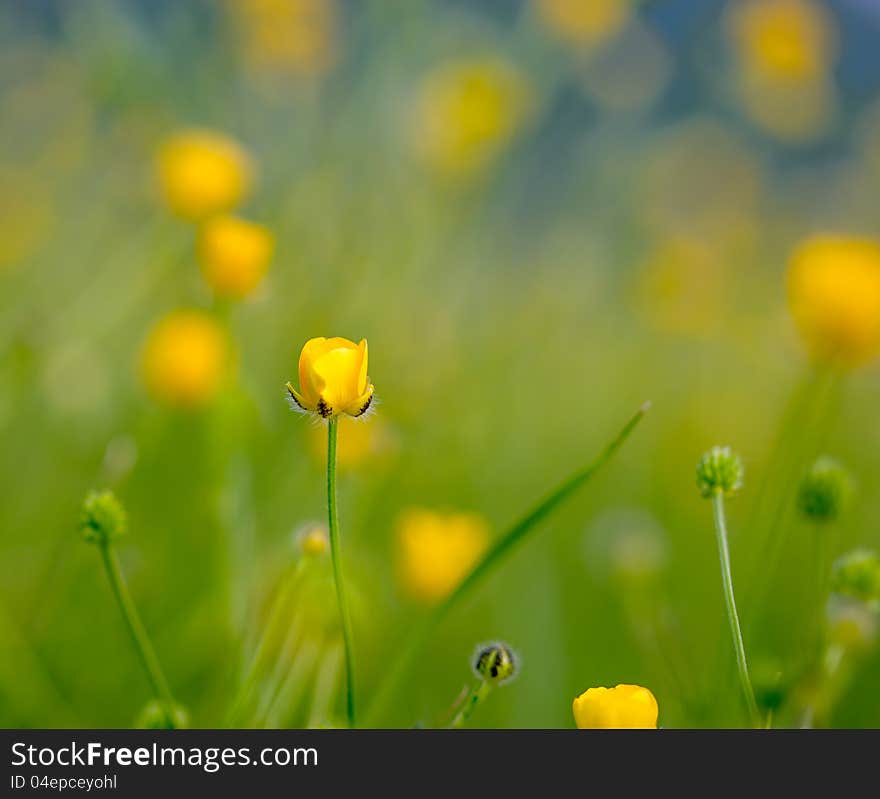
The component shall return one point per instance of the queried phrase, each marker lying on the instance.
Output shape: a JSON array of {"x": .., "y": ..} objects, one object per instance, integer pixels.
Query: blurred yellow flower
[
  {"x": 467, "y": 113},
  {"x": 295, "y": 36},
  {"x": 203, "y": 173},
  {"x": 585, "y": 22},
  {"x": 786, "y": 41},
  {"x": 185, "y": 358},
  {"x": 234, "y": 255},
  {"x": 313, "y": 541},
  {"x": 436, "y": 550},
  {"x": 682, "y": 287},
  {"x": 357, "y": 442},
  {"x": 333, "y": 378},
  {"x": 621, "y": 707},
  {"x": 26, "y": 215},
  {"x": 834, "y": 294}
]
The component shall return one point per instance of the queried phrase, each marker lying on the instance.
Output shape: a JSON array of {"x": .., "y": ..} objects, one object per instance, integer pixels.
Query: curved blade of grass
[{"x": 491, "y": 561}]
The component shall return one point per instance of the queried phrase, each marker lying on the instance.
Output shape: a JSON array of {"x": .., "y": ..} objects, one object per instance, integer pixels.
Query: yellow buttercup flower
[
  {"x": 333, "y": 378},
  {"x": 234, "y": 255},
  {"x": 467, "y": 113},
  {"x": 185, "y": 358},
  {"x": 203, "y": 173},
  {"x": 621, "y": 707},
  {"x": 437, "y": 550},
  {"x": 834, "y": 294},
  {"x": 784, "y": 41},
  {"x": 293, "y": 36},
  {"x": 585, "y": 22}
]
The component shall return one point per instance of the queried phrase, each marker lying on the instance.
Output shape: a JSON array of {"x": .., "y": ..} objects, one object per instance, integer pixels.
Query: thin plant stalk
[
  {"x": 325, "y": 687},
  {"x": 413, "y": 646},
  {"x": 138, "y": 633},
  {"x": 730, "y": 600},
  {"x": 287, "y": 659},
  {"x": 802, "y": 431},
  {"x": 336, "y": 557},
  {"x": 470, "y": 704},
  {"x": 282, "y": 600}
]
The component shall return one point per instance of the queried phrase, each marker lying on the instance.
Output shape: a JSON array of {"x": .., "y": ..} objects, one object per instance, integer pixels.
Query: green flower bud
[
  {"x": 771, "y": 687},
  {"x": 857, "y": 574},
  {"x": 719, "y": 471},
  {"x": 155, "y": 716},
  {"x": 496, "y": 663},
  {"x": 851, "y": 623},
  {"x": 825, "y": 490},
  {"x": 103, "y": 518}
]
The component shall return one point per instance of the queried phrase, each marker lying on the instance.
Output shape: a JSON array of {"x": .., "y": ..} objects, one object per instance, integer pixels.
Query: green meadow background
[{"x": 629, "y": 243}]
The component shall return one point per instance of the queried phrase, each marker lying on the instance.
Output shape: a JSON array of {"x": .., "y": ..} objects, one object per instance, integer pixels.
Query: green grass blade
[{"x": 491, "y": 561}]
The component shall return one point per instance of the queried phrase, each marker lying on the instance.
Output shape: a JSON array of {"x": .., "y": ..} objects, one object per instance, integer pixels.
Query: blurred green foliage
[{"x": 518, "y": 311}]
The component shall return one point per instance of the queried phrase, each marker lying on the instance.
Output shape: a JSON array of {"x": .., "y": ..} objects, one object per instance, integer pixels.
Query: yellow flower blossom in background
[
  {"x": 436, "y": 550},
  {"x": 293, "y": 36},
  {"x": 358, "y": 443},
  {"x": 784, "y": 41},
  {"x": 333, "y": 378},
  {"x": 234, "y": 255},
  {"x": 26, "y": 215},
  {"x": 785, "y": 50},
  {"x": 203, "y": 173},
  {"x": 185, "y": 359},
  {"x": 621, "y": 707},
  {"x": 585, "y": 22},
  {"x": 467, "y": 113},
  {"x": 834, "y": 295},
  {"x": 682, "y": 287},
  {"x": 313, "y": 541}
]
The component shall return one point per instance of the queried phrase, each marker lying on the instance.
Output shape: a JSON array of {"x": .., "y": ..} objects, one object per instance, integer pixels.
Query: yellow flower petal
[
  {"x": 333, "y": 377},
  {"x": 834, "y": 294},
  {"x": 621, "y": 707}
]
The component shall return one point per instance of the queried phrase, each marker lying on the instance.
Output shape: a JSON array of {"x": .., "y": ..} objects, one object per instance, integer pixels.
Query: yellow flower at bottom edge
[
  {"x": 436, "y": 550},
  {"x": 234, "y": 255},
  {"x": 834, "y": 295},
  {"x": 621, "y": 707},
  {"x": 185, "y": 358},
  {"x": 203, "y": 173},
  {"x": 333, "y": 378}
]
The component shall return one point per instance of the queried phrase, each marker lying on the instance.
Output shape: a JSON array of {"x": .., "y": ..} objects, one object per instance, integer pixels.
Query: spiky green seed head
[
  {"x": 157, "y": 716},
  {"x": 857, "y": 575},
  {"x": 102, "y": 518},
  {"x": 719, "y": 471},
  {"x": 825, "y": 490},
  {"x": 496, "y": 663}
]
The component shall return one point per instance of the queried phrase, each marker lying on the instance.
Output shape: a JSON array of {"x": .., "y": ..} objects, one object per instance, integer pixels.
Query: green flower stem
[
  {"x": 727, "y": 582},
  {"x": 138, "y": 633},
  {"x": 491, "y": 560},
  {"x": 802, "y": 431},
  {"x": 336, "y": 557},
  {"x": 282, "y": 600},
  {"x": 470, "y": 704}
]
